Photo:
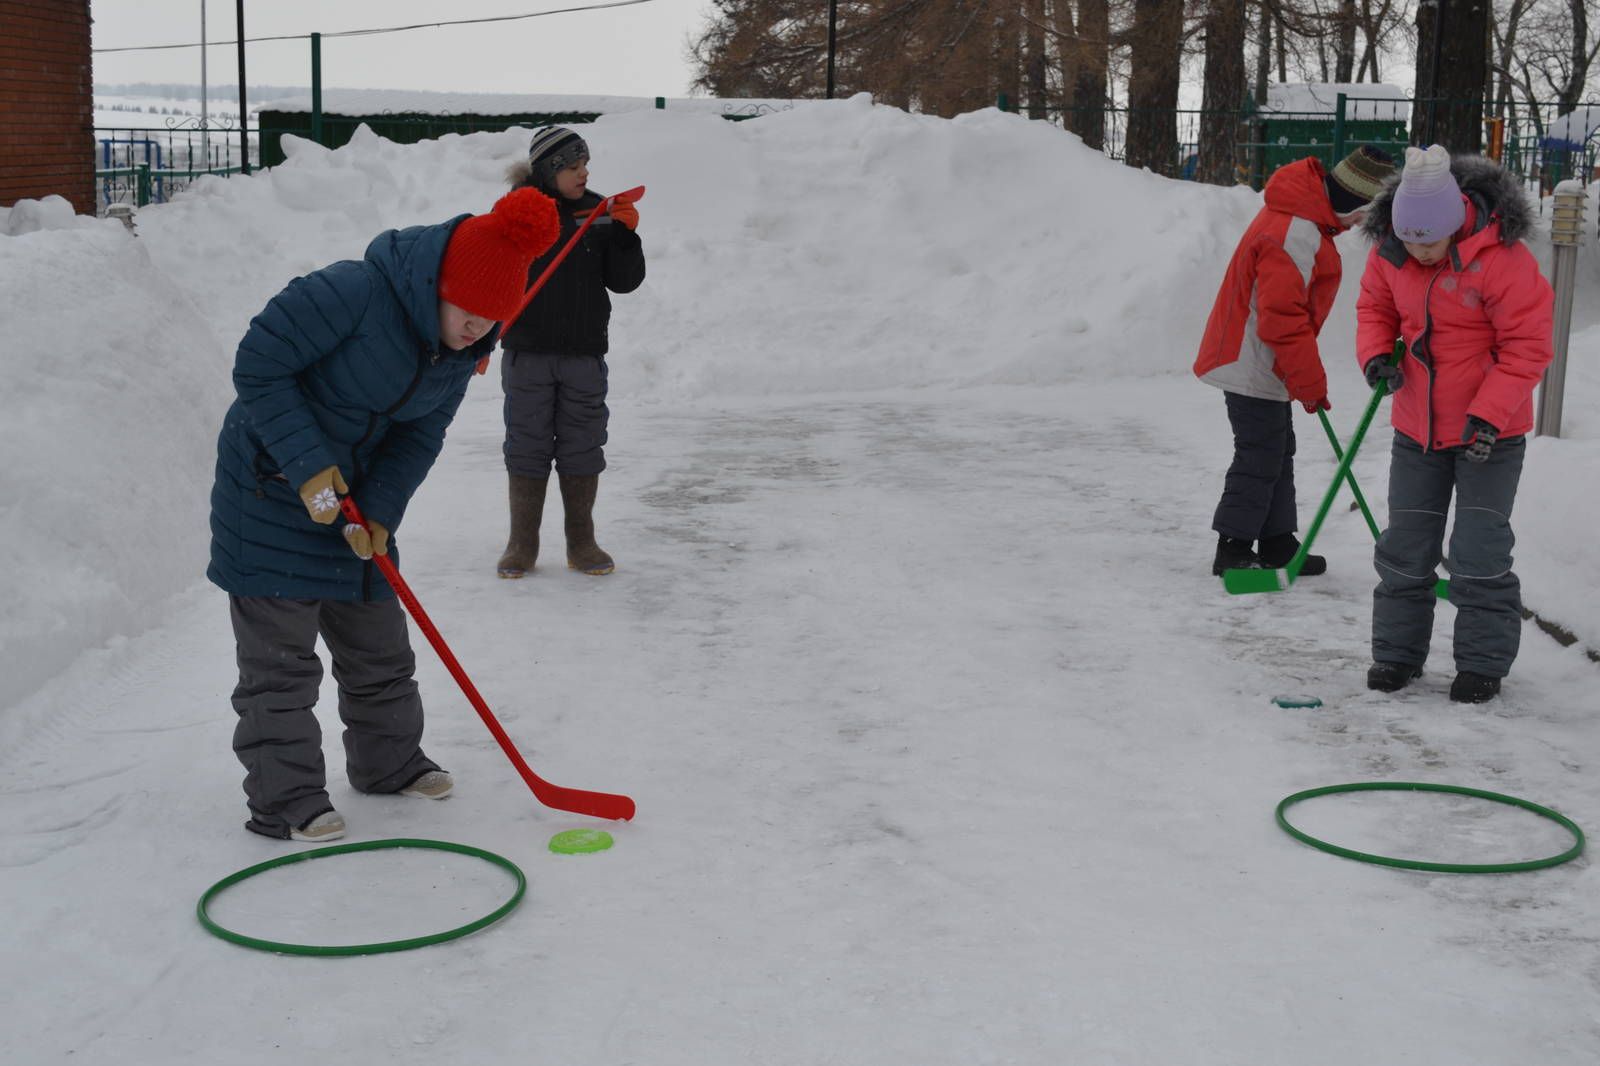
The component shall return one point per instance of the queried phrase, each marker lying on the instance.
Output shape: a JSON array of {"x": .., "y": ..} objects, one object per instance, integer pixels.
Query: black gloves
[
  {"x": 1378, "y": 369},
  {"x": 1478, "y": 450}
]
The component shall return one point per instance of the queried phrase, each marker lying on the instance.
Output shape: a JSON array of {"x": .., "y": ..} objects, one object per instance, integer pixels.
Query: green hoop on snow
[
  {"x": 1437, "y": 867},
  {"x": 362, "y": 949}
]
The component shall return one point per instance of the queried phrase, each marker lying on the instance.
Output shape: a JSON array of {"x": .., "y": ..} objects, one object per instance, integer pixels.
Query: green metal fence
[
  {"x": 1265, "y": 140},
  {"x": 139, "y": 165}
]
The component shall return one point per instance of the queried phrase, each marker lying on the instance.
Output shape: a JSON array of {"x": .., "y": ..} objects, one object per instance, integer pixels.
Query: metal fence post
[
  {"x": 143, "y": 189},
  {"x": 1338, "y": 130},
  {"x": 1566, "y": 233},
  {"x": 316, "y": 88}
]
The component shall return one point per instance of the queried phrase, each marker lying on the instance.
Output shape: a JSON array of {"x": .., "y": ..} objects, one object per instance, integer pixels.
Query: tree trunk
[
  {"x": 1008, "y": 52},
  {"x": 1037, "y": 89},
  {"x": 1452, "y": 73},
  {"x": 1344, "y": 64},
  {"x": 1223, "y": 93},
  {"x": 1093, "y": 60},
  {"x": 1257, "y": 161},
  {"x": 1578, "y": 69},
  {"x": 1154, "y": 62}
]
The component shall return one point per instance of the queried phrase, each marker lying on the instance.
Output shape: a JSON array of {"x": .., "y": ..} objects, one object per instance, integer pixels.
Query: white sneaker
[
  {"x": 329, "y": 825},
  {"x": 434, "y": 785}
]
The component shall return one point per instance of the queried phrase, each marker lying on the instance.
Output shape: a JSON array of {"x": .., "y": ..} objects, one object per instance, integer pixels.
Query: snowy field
[{"x": 947, "y": 747}]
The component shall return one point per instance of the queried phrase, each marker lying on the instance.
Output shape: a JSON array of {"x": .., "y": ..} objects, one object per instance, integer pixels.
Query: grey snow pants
[
  {"x": 555, "y": 412},
  {"x": 1258, "y": 492},
  {"x": 277, "y": 737},
  {"x": 1486, "y": 593}
]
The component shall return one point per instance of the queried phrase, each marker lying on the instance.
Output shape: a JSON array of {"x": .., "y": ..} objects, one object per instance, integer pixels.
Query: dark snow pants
[
  {"x": 277, "y": 737},
  {"x": 555, "y": 412},
  {"x": 1258, "y": 492},
  {"x": 1485, "y": 592}
]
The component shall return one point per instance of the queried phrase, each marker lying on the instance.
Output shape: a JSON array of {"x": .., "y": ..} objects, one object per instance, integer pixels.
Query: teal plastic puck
[
  {"x": 580, "y": 841},
  {"x": 1297, "y": 701}
]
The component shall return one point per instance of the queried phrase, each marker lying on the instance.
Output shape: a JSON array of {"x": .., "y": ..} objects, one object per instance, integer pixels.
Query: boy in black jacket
[{"x": 554, "y": 369}]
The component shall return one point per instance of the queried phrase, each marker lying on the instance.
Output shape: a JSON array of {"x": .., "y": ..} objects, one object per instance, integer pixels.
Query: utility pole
[
  {"x": 205, "y": 120},
  {"x": 244, "y": 113}
]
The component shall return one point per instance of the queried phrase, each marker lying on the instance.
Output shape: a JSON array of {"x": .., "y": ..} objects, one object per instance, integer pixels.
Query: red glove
[
  {"x": 1319, "y": 404},
  {"x": 483, "y": 365},
  {"x": 626, "y": 214}
]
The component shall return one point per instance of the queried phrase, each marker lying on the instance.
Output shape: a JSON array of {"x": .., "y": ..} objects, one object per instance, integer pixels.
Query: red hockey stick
[
  {"x": 626, "y": 197},
  {"x": 577, "y": 800}
]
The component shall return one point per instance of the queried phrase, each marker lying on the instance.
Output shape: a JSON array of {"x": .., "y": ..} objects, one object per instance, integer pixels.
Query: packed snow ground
[{"x": 946, "y": 745}]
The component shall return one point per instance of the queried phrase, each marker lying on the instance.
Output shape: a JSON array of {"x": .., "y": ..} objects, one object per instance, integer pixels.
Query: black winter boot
[
  {"x": 527, "y": 510},
  {"x": 1276, "y": 552},
  {"x": 577, "y": 496},
  {"x": 1233, "y": 554},
  {"x": 1474, "y": 688},
  {"x": 1391, "y": 677}
]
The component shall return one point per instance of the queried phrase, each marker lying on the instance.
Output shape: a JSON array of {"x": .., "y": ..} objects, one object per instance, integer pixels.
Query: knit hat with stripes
[
  {"x": 554, "y": 149},
  {"x": 1355, "y": 181}
]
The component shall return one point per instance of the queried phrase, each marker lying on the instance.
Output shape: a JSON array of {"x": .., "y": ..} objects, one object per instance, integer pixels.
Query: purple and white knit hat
[{"x": 1427, "y": 206}]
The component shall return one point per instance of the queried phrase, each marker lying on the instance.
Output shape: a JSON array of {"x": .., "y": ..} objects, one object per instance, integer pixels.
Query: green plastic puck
[
  {"x": 580, "y": 841},
  {"x": 1297, "y": 701}
]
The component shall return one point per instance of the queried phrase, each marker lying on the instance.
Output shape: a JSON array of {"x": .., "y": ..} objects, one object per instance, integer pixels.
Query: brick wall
[{"x": 46, "y": 102}]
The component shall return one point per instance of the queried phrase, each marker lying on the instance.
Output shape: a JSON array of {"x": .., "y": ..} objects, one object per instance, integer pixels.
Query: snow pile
[
  {"x": 115, "y": 386},
  {"x": 837, "y": 246}
]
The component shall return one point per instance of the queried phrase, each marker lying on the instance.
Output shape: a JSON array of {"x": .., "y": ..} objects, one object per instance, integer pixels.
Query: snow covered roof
[
  {"x": 1364, "y": 101},
  {"x": 1575, "y": 128},
  {"x": 398, "y": 101}
]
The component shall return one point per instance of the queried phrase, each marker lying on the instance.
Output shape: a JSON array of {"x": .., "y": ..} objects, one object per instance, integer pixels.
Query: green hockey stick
[
  {"x": 1243, "y": 580},
  {"x": 1441, "y": 588}
]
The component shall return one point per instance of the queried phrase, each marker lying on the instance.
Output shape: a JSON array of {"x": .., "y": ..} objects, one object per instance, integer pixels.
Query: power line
[{"x": 387, "y": 29}]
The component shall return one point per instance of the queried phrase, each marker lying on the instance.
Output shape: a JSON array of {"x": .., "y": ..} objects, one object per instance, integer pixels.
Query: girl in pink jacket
[{"x": 1449, "y": 275}]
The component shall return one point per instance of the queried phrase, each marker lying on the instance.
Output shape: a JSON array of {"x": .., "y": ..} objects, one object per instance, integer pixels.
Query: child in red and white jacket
[
  {"x": 1450, "y": 276},
  {"x": 1260, "y": 347}
]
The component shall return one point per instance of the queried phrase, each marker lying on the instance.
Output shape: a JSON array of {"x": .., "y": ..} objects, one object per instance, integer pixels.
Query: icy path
[{"x": 947, "y": 750}]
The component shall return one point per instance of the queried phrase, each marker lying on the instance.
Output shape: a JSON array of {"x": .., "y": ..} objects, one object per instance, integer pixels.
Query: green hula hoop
[
  {"x": 362, "y": 949},
  {"x": 1437, "y": 867}
]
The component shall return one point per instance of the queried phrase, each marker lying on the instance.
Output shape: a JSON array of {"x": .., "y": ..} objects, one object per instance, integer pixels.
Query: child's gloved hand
[
  {"x": 627, "y": 214},
  {"x": 1485, "y": 434},
  {"x": 366, "y": 544},
  {"x": 321, "y": 493},
  {"x": 1319, "y": 404},
  {"x": 1378, "y": 369},
  {"x": 482, "y": 367}
]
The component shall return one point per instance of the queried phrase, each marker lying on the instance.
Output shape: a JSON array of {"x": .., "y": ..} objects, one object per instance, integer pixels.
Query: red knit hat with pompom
[{"x": 485, "y": 268}]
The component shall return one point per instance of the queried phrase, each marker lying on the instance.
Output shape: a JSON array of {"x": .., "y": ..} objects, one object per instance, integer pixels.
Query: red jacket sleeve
[
  {"x": 1284, "y": 324},
  {"x": 1520, "y": 305},
  {"x": 1377, "y": 317}
]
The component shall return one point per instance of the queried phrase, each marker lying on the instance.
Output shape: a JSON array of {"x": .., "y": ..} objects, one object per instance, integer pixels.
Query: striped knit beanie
[
  {"x": 554, "y": 149},
  {"x": 1358, "y": 177}
]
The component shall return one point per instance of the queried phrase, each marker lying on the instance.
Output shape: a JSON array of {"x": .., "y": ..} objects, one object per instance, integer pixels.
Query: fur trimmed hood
[{"x": 1493, "y": 190}]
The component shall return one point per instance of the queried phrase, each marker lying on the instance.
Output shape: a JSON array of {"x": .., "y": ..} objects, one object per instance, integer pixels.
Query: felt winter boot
[
  {"x": 1391, "y": 677},
  {"x": 527, "y": 510},
  {"x": 1469, "y": 687},
  {"x": 1233, "y": 554},
  {"x": 1275, "y": 553},
  {"x": 577, "y": 496}
]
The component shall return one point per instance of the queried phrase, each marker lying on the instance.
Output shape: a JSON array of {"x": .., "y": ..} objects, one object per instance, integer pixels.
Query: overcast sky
[{"x": 627, "y": 51}]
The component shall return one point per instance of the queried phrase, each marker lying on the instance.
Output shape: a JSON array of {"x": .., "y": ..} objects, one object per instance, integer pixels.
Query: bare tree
[
  {"x": 1452, "y": 72},
  {"x": 1223, "y": 92}
]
